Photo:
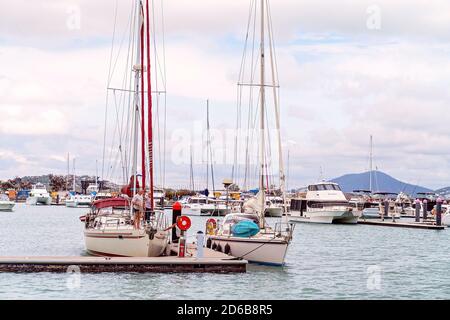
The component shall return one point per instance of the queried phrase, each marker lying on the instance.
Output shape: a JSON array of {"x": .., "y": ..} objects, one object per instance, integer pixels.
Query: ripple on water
[{"x": 323, "y": 262}]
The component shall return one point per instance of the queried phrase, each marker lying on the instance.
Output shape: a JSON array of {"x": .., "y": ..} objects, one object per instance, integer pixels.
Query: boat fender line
[
  {"x": 219, "y": 248},
  {"x": 209, "y": 243},
  {"x": 227, "y": 249}
]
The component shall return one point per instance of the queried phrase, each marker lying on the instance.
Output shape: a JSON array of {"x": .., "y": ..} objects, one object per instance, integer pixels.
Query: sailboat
[
  {"x": 247, "y": 235},
  {"x": 77, "y": 200},
  {"x": 114, "y": 227}
]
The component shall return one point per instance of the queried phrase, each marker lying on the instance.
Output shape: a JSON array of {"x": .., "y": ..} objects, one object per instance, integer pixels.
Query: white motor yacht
[
  {"x": 79, "y": 200},
  {"x": 5, "y": 203},
  {"x": 201, "y": 205},
  {"x": 274, "y": 206},
  {"x": 324, "y": 203},
  {"x": 39, "y": 196}
]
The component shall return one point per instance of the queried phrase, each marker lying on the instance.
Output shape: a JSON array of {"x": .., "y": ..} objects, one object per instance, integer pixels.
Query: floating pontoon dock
[
  {"x": 390, "y": 223},
  {"x": 213, "y": 262}
]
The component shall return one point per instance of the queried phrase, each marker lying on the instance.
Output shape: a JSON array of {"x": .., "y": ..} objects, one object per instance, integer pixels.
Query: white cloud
[{"x": 340, "y": 81}]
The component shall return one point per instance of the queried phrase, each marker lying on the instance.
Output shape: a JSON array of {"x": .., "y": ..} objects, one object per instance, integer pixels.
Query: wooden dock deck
[
  {"x": 398, "y": 224},
  {"x": 213, "y": 262}
]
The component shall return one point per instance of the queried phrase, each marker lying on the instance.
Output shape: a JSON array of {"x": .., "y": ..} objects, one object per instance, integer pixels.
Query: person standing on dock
[{"x": 138, "y": 205}]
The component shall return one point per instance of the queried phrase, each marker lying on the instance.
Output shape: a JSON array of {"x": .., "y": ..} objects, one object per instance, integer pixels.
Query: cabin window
[{"x": 321, "y": 187}]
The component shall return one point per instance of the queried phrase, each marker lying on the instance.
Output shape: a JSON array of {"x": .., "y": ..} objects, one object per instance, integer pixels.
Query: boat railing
[{"x": 284, "y": 229}]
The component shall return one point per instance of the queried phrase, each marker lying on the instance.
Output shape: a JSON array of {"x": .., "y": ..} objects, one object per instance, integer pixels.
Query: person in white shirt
[{"x": 138, "y": 205}]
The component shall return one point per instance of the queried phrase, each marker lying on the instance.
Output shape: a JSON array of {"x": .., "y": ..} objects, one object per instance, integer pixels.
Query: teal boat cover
[{"x": 245, "y": 229}]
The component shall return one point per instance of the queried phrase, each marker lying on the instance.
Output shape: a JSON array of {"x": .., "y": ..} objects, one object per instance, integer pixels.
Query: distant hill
[
  {"x": 381, "y": 182},
  {"x": 444, "y": 192}
]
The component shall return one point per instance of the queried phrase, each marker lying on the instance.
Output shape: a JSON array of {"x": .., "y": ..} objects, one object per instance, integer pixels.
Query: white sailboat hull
[
  {"x": 255, "y": 250},
  {"x": 125, "y": 243},
  {"x": 37, "y": 200}
]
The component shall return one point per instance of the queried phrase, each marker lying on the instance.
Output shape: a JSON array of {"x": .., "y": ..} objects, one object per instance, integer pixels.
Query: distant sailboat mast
[
  {"x": 262, "y": 188},
  {"x": 73, "y": 173},
  {"x": 371, "y": 164}
]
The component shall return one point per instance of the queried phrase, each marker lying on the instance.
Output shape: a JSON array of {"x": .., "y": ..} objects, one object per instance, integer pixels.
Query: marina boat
[
  {"x": 364, "y": 205},
  {"x": 92, "y": 189},
  {"x": 274, "y": 206},
  {"x": 39, "y": 196},
  {"x": 159, "y": 198},
  {"x": 324, "y": 203},
  {"x": 391, "y": 198},
  {"x": 204, "y": 206},
  {"x": 102, "y": 196},
  {"x": 79, "y": 200},
  {"x": 5, "y": 203},
  {"x": 266, "y": 246},
  {"x": 247, "y": 235},
  {"x": 110, "y": 231},
  {"x": 116, "y": 226}
]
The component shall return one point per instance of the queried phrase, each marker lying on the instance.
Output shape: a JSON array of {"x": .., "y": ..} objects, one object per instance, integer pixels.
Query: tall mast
[
  {"x": 96, "y": 173},
  {"x": 68, "y": 171},
  {"x": 150, "y": 109},
  {"x": 207, "y": 144},
  {"x": 371, "y": 163},
  {"x": 142, "y": 63},
  {"x": 138, "y": 70},
  {"x": 210, "y": 162},
  {"x": 73, "y": 173},
  {"x": 282, "y": 174},
  {"x": 262, "y": 188},
  {"x": 192, "y": 183}
]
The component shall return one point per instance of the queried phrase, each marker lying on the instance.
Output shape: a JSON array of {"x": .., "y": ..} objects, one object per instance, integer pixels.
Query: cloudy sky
[{"x": 347, "y": 69}]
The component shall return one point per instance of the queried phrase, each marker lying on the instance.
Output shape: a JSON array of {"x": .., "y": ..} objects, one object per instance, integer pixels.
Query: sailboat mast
[
  {"x": 207, "y": 144},
  {"x": 262, "y": 188},
  {"x": 138, "y": 70},
  {"x": 73, "y": 173},
  {"x": 150, "y": 109},
  {"x": 371, "y": 163},
  {"x": 68, "y": 171},
  {"x": 281, "y": 171},
  {"x": 142, "y": 63}
]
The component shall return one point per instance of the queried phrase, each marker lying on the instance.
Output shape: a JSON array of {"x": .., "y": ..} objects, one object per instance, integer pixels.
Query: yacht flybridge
[{"x": 324, "y": 203}]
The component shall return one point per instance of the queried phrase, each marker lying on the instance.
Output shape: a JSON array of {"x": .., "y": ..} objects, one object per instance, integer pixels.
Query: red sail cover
[
  {"x": 128, "y": 189},
  {"x": 111, "y": 203}
]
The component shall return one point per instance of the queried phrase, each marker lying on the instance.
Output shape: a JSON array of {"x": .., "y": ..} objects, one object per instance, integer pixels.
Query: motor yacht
[
  {"x": 324, "y": 203},
  {"x": 39, "y": 195}
]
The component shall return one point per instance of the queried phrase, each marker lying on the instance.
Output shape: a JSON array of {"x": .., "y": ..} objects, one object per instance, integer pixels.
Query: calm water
[{"x": 324, "y": 262}]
